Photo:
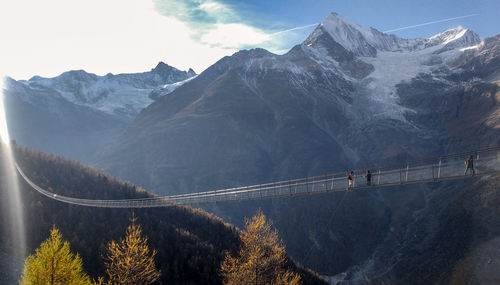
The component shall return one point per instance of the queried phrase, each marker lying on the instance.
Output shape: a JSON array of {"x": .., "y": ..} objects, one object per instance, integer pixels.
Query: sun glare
[
  {"x": 10, "y": 185},
  {"x": 4, "y": 132}
]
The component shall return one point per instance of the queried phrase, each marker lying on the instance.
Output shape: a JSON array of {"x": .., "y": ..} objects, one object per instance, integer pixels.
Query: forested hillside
[{"x": 190, "y": 242}]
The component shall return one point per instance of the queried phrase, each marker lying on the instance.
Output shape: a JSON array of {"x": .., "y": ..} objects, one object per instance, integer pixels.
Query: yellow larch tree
[
  {"x": 54, "y": 264},
  {"x": 261, "y": 259},
  {"x": 130, "y": 260}
]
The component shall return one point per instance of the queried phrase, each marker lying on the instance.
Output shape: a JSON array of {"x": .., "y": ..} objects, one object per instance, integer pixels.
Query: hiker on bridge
[
  {"x": 368, "y": 177},
  {"x": 469, "y": 164},
  {"x": 350, "y": 181}
]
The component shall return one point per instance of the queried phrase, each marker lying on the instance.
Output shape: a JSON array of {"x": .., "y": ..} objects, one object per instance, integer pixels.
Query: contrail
[
  {"x": 293, "y": 29},
  {"x": 430, "y": 23}
]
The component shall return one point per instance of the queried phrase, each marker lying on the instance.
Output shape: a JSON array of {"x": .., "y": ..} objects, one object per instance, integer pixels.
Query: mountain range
[
  {"x": 76, "y": 113},
  {"x": 316, "y": 109},
  {"x": 347, "y": 97}
]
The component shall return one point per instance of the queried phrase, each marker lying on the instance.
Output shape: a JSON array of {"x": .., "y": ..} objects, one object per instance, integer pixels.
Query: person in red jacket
[{"x": 350, "y": 181}]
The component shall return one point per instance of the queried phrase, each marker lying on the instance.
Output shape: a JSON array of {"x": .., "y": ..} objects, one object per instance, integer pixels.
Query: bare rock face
[
  {"x": 235, "y": 111},
  {"x": 482, "y": 62}
]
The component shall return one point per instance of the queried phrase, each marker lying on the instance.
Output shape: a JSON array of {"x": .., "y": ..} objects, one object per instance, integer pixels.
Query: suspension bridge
[{"x": 449, "y": 167}]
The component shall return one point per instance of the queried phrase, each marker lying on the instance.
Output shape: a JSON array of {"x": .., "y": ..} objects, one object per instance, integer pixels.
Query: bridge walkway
[{"x": 449, "y": 167}]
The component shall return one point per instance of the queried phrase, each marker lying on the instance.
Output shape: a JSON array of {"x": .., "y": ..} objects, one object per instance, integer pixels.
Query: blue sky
[
  {"x": 49, "y": 37},
  {"x": 382, "y": 15},
  {"x": 387, "y": 15}
]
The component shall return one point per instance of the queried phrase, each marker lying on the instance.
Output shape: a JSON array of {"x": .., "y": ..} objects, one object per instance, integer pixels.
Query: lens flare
[
  {"x": 4, "y": 132},
  {"x": 12, "y": 207}
]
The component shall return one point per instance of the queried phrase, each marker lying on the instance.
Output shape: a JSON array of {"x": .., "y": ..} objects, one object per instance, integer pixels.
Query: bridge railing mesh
[{"x": 485, "y": 161}]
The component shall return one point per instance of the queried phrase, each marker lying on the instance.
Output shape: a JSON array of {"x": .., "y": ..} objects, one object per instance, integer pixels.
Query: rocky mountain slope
[
  {"x": 75, "y": 113},
  {"x": 346, "y": 97},
  {"x": 324, "y": 101}
]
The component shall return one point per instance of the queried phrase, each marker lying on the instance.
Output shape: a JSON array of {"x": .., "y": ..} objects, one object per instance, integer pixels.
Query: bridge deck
[{"x": 486, "y": 161}]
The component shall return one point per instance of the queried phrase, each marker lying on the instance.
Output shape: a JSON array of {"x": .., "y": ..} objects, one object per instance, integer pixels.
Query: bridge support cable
[{"x": 448, "y": 167}]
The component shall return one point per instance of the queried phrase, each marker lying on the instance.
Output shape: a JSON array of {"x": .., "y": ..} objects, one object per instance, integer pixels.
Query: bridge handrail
[
  {"x": 232, "y": 193},
  {"x": 260, "y": 186}
]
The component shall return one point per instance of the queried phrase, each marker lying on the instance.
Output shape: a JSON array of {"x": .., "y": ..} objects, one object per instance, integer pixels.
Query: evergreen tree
[
  {"x": 261, "y": 259},
  {"x": 53, "y": 263},
  {"x": 130, "y": 260}
]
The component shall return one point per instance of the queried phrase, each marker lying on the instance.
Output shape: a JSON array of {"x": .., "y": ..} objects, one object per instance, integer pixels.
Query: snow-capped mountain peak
[
  {"x": 457, "y": 37},
  {"x": 121, "y": 95},
  {"x": 366, "y": 42},
  {"x": 162, "y": 67},
  {"x": 351, "y": 36},
  {"x": 382, "y": 61},
  {"x": 357, "y": 39},
  {"x": 449, "y": 35}
]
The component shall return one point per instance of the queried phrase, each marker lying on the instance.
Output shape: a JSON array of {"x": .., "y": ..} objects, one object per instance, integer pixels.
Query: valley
[{"x": 347, "y": 97}]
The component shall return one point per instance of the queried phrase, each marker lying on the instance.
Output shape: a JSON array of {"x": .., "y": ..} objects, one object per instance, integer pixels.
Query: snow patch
[
  {"x": 448, "y": 36},
  {"x": 392, "y": 68},
  {"x": 169, "y": 88},
  {"x": 124, "y": 95},
  {"x": 470, "y": 48}
]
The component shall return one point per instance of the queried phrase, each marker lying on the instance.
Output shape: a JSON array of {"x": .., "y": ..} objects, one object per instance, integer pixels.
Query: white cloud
[
  {"x": 231, "y": 36},
  {"x": 221, "y": 25},
  {"x": 52, "y": 36},
  {"x": 49, "y": 37},
  {"x": 213, "y": 23}
]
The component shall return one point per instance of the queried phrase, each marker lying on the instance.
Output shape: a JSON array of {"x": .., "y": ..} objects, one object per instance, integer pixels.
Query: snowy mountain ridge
[
  {"x": 378, "y": 62},
  {"x": 373, "y": 62},
  {"x": 366, "y": 42},
  {"x": 123, "y": 95}
]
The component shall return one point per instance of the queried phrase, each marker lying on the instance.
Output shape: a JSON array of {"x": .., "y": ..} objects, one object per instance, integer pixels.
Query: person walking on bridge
[
  {"x": 350, "y": 181},
  {"x": 469, "y": 164},
  {"x": 368, "y": 177}
]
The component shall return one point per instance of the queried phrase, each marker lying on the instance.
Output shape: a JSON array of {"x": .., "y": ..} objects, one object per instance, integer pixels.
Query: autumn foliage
[
  {"x": 130, "y": 261},
  {"x": 53, "y": 263},
  {"x": 261, "y": 259},
  {"x": 190, "y": 242}
]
